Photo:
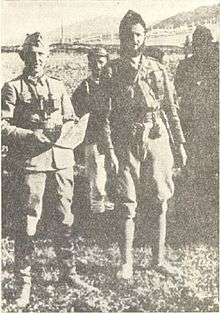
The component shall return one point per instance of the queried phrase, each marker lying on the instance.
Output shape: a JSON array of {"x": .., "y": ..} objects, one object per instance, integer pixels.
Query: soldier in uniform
[
  {"x": 34, "y": 108},
  {"x": 142, "y": 105},
  {"x": 89, "y": 98},
  {"x": 197, "y": 86},
  {"x": 196, "y": 82}
]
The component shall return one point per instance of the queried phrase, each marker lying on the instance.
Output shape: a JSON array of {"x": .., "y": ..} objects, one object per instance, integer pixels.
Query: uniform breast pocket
[{"x": 54, "y": 103}]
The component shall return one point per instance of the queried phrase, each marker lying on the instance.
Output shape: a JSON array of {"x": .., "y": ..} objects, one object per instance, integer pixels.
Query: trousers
[
  {"x": 149, "y": 179},
  {"x": 98, "y": 179},
  {"x": 32, "y": 187}
]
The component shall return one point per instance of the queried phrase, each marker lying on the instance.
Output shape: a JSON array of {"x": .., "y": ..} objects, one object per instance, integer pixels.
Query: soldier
[
  {"x": 89, "y": 98},
  {"x": 142, "y": 104},
  {"x": 197, "y": 82},
  {"x": 197, "y": 86},
  {"x": 34, "y": 108}
]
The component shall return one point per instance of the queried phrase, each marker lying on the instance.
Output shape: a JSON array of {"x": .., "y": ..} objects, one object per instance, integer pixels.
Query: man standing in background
[
  {"x": 34, "y": 109},
  {"x": 197, "y": 86},
  {"x": 143, "y": 121},
  {"x": 89, "y": 98}
]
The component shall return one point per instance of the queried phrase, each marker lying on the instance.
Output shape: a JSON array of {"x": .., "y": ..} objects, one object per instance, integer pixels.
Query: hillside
[
  {"x": 108, "y": 24},
  {"x": 200, "y": 15}
]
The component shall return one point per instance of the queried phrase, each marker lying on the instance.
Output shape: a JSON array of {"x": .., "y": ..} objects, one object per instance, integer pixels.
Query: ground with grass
[{"x": 195, "y": 289}]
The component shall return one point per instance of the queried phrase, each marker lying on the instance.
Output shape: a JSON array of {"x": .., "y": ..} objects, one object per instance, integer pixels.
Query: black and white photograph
[{"x": 110, "y": 156}]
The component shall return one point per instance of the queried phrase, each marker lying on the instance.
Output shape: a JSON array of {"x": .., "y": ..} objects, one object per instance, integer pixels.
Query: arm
[
  {"x": 8, "y": 102},
  {"x": 106, "y": 141},
  {"x": 80, "y": 99},
  {"x": 67, "y": 107},
  {"x": 180, "y": 80},
  {"x": 171, "y": 111},
  {"x": 106, "y": 85}
]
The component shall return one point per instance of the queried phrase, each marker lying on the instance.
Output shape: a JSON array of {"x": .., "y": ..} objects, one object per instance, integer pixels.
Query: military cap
[
  {"x": 201, "y": 34},
  {"x": 34, "y": 40},
  {"x": 128, "y": 20},
  {"x": 97, "y": 52}
]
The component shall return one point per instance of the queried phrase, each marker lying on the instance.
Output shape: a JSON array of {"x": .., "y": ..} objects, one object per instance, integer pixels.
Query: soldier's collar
[
  {"x": 135, "y": 62},
  {"x": 34, "y": 80}
]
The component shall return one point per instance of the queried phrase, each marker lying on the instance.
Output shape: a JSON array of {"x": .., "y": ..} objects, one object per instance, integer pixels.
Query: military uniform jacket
[
  {"x": 20, "y": 106},
  {"x": 89, "y": 97},
  {"x": 197, "y": 81},
  {"x": 135, "y": 92}
]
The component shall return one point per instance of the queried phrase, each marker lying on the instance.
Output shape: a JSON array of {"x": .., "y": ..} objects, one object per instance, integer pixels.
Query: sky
[{"x": 21, "y": 16}]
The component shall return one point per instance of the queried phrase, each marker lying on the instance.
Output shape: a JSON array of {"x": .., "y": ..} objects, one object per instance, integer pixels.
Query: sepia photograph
[{"x": 110, "y": 156}]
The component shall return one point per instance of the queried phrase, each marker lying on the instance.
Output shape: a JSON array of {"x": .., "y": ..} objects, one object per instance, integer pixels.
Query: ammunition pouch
[{"x": 138, "y": 130}]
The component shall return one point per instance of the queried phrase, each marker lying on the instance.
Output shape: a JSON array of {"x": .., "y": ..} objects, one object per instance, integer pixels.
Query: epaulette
[
  {"x": 153, "y": 59},
  {"x": 16, "y": 78},
  {"x": 186, "y": 63},
  {"x": 59, "y": 79}
]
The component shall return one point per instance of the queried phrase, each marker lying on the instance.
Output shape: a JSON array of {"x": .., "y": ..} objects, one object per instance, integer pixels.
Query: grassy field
[{"x": 192, "y": 246}]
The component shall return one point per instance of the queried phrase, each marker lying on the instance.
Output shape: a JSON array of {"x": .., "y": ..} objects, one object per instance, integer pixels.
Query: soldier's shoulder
[
  {"x": 152, "y": 63},
  {"x": 14, "y": 82},
  {"x": 185, "y": 63},
  {"x": 55, "y": 82},
  {"x": 54, "y": 79},
  {"x": 82, "y": 85}
]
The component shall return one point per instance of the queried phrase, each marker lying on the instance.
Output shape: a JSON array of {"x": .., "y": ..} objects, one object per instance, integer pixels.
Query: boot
[
  {"x": 125, "y": 245},
  {"x": 24, "y": 248}
]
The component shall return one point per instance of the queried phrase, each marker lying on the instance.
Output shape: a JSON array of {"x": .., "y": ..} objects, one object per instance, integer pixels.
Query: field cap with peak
[
  {"x": 98, "y": 52},
  {"x": 128, "y": 20},
  {"x": 35, "y": 42}
]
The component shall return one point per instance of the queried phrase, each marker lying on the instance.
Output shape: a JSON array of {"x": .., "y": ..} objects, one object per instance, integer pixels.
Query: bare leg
[
  {"x": 125, "y": 241},
  {"x": 158, "y": 248}
]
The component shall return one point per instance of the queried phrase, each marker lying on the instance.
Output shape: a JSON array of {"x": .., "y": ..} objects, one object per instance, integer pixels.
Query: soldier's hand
[
  {"x": 38, "y": 137},
  {"x": 181, "y": 157}
]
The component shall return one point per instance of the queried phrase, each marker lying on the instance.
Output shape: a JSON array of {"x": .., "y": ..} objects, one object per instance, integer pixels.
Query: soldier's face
[
  {"x": 97, "y": 65},
  {"x": 35, "y": 61},
  {"x": 135, "y": 39}
]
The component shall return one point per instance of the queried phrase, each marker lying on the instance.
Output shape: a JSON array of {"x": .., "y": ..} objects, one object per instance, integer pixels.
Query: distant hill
[
  {"x": 200, "y": 15},
  {"x": 108, "y": 24},
  {"x": 98, "y": 25}
]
